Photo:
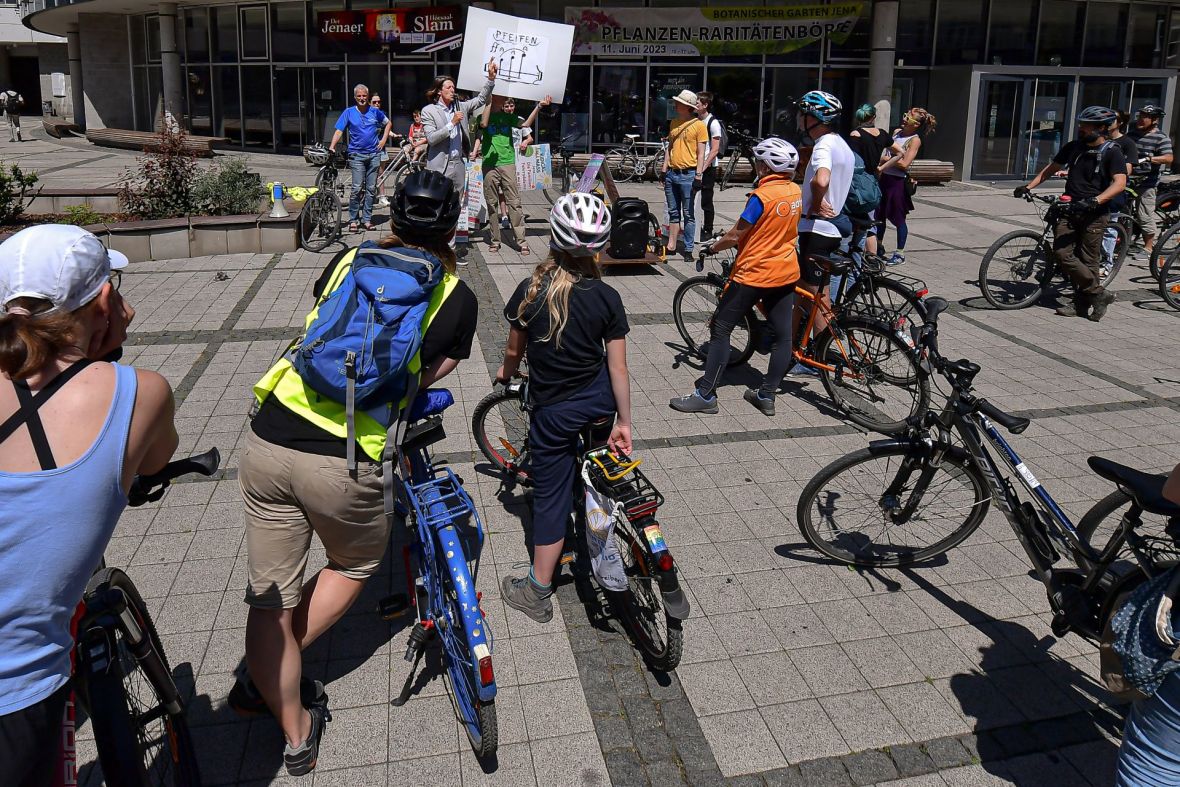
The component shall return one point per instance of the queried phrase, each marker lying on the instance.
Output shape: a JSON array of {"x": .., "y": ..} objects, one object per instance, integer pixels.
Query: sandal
[
  {"x": 370, "y": 227},
  {"x": 493, "y": 246},
  {"x": 524, "y": 250},
  {"x": 353, "y": 226}
]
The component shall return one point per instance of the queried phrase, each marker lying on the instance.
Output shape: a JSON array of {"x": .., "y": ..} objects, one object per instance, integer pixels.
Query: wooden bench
[
  {"x": 925, "y": 171},
  {"x": 932, "y": 171},
  {"x": 58, "y": 128},
  {"x": 147, "y": 140}
]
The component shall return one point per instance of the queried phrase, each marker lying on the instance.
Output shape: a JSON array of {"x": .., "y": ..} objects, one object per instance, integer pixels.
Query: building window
[
  {"x": 1148, "y": 31},
  {"x": 1012, "y": 33},
  {"x": 196, "y": 35},
  {"x": 223, "y": 24},
  {"x": 737, "y": 95},
  {"x": 856, "y": 46},
  {"x": 253, "y": 27},
  {"x": 664, "y": 82},
  {"x": 1061, "y": 32},
  {"x": 318, "y": 48},
  {"x": 915, "y": 32},
  {"x": 618, "y": 103},
  {"x": 286, "y": 32},
  {"x": 961, "y": 25},
  {"x": 1106, "y": 34},
  {"x": 152, "y": 24}
]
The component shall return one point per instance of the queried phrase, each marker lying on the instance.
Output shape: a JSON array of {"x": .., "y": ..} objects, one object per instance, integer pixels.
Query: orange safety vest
[{"x": 766, "y": 255}]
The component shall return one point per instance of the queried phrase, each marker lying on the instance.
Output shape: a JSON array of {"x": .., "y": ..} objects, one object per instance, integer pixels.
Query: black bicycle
[
  {"x": 1167, "y": 216},
  {"x": 651, "y": 604},
  {"x": 320, "y": 219},
  {"x": 1021, "y": 265},
  {"x": 1169, "y": 280},
  {"x": 121, "y": 673},
  {"x": 900, "y": 502},
  {"x": 741, "y": 144}
]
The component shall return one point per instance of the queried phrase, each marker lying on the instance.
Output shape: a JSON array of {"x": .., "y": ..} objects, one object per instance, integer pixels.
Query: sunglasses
[
  {"x": 116, "y": 279},
  {"x": 376, "y": 102}
]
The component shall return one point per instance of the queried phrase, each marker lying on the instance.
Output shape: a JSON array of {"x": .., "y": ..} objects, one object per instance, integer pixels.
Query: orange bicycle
[{"x": 864, "y": 353}]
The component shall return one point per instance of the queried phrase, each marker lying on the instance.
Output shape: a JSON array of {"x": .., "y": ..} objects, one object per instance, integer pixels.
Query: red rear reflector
[
  {"x": 665, "y": 562},
  {"x": 922, "y": 293},
  {"x": 486, "y": 676}
]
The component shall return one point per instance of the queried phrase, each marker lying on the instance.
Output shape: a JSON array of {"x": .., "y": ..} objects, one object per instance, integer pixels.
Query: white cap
[
  {"x": 686, "y": 97},
  {"x": 59, "y": 263}
]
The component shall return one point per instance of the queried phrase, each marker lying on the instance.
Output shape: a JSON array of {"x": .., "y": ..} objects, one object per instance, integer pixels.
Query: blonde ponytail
[{"x": 553, "y": 278}]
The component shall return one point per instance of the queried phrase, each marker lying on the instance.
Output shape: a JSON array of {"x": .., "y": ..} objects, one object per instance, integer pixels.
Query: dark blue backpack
[
  {"x": 864, "y": 194},
  {"x": 358, "y": 349}
]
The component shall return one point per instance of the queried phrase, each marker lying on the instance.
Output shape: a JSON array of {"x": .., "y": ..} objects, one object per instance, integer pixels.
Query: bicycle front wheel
[
  {"x": 886, "y": 506},
  {"x": 403, "y": 172},
  {"x": 500, "y": 426},
  {"x": 1169, "y": 280},
  {"x": 727, "y": 177},
  {"x": 319, "y": 221},
  {"x": 693, "y": 306},
  {"x": 620, "y": 162},
  {"x": 640, "y": 607},
  {"x": 139, "y": 741},
  {"x": 1013, "y": 273},
  {"x": 874, "y": 378},
  {"x": 1167, "y": 244}
]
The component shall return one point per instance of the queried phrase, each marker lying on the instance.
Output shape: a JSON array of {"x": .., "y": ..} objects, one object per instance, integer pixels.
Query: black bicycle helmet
[
  {"x": 425, "y": 206},
  {"x": 1152, "y": 110},
  {"x": 1099, "y": 116}
]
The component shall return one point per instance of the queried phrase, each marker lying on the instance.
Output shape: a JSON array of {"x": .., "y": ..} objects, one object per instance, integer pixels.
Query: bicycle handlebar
[
  {"x": 1012, "y": 423},
  {"x": 150, "y": 488}
]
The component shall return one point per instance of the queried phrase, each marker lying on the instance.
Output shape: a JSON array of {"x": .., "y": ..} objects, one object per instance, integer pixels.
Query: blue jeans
[
  {"x": 678, "y": 193},
  {"x": 1150, "y": 754},
  {"x": 364, "y": 168}
]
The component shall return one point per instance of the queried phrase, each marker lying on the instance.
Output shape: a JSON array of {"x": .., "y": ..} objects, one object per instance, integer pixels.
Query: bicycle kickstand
[{"x": 416, "y": 649}]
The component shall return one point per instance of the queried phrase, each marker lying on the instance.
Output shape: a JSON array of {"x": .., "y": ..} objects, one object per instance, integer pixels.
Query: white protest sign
[{"x": 533, "y": 57}]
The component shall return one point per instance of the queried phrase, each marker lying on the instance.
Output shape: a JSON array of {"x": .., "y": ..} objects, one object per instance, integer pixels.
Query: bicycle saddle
[
  {"x": 833, "y": 266},
  {"x": 430, "y": 402},
  {"x": 1146, "y": 489},
  {"x": 631, "y": 136}
]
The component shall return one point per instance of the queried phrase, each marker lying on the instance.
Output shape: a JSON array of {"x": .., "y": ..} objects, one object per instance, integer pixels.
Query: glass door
[
  {"x": 1022, "y": 123},
  {"x": 292, "y": 112},
  {"x": 1046, "y": 115}
]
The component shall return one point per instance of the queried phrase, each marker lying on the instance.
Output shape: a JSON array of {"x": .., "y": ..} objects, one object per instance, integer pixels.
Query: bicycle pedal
[
  {"x": 393, "y": 606},
  {"x": 568, "y": 558}
]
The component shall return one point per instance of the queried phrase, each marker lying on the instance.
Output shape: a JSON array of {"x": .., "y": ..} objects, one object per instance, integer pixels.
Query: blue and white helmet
[{"x": 822, "y": 106}]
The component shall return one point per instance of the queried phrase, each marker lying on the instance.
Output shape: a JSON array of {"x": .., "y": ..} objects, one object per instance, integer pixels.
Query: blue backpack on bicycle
[
  {"x": 358, "y": 349},
  {"x": 864, "y": 194}
]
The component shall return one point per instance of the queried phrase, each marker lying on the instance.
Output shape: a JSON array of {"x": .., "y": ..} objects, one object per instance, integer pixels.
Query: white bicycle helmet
[
  {"x": 778, "y": 154},
  {"x": 316, "y": 154},
  {"x": 579, "y": 224}
]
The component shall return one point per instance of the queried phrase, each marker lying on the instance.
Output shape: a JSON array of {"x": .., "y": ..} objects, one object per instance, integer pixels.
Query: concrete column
[
  {"x": 74, "y": 56},
  {"x": 172, "y": 80},
  {"x": 882, "y": 57}
]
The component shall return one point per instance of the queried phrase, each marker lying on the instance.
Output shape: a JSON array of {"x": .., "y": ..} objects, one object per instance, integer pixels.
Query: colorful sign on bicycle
[
  {"x": 534, "y": 169},
  {"x": 693, "y": 30}
]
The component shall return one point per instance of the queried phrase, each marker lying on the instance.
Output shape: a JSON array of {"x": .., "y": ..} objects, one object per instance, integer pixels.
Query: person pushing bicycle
[
  {"x": 574, "y": 329},
  {"x": 1097, "y": 174},
  {"x": 74, "y": 431},
  {"x": 296, "y": 479},
  {"x": 766, "y": 272}
]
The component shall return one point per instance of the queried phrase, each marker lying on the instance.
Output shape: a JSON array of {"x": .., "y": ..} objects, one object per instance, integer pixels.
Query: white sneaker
[{"x": 383, "y": 202}]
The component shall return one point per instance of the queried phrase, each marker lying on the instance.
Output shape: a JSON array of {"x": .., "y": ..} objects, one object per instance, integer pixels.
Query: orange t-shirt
[{"x": 766, "y": 255}]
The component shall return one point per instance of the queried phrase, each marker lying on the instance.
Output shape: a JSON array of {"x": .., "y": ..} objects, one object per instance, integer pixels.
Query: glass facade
[{"x": 260, "y": 74}]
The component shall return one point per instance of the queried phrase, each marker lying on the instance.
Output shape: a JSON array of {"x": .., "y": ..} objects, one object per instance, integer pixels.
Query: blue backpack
[
  {"x": 864, "y": 194},
  {"x": 357, "y": 351}
]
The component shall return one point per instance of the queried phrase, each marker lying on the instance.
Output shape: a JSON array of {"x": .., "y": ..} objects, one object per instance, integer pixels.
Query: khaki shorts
[{"x": 289, "y": 495}]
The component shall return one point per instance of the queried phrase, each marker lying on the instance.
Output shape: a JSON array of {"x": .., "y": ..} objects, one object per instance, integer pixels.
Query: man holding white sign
[{"x": 444, "y": 121}]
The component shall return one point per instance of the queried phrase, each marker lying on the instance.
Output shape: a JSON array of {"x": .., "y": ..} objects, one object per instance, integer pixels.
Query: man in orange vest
[{"x": 766, "y": 271}]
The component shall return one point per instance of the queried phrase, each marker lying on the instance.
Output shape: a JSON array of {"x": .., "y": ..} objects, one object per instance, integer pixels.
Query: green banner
[{"x": 713, "y": 30}]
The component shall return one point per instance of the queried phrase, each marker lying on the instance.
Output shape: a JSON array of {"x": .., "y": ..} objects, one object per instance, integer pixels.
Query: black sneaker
[
  {"x": 246, "y": 700},
  {"x": 754, "y": 397},
  {"x": 1078, "y": 308},
  {"x": 1101, "y": 304},
  {"x": 302, "y": 760}
]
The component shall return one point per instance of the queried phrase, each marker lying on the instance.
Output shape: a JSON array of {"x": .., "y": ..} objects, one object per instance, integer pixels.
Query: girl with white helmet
[
  {"x": 572, "y": 325},
  {"x": 766, "y": 271}
]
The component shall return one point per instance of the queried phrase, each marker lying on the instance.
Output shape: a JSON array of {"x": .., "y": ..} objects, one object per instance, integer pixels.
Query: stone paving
[{"x": 795, "y": 671}]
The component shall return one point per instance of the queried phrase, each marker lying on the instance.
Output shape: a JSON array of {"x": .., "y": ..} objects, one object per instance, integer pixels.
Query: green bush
[
  {"x": 82, "y": 215},
  {"x": 14, "y": 187},
  {"x": 227, "y": 188},
  {"x": 161, "y": 187}
]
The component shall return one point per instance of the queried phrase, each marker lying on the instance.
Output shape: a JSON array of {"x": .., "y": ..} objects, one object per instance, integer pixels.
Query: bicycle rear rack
[
  {"x": 442, "y": 500},
  {"x": 625, "y": 483}
]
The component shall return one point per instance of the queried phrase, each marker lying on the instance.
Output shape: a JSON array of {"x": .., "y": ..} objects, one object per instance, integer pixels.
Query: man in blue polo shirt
[{"x": 368, "y": 130}]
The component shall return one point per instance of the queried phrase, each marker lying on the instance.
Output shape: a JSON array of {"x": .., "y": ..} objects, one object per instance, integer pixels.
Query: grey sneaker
[
  {"x": 1101, "y": 304},
  {"x": 302, "y": 760},
  {"x": 755, "y": 398},
  {"x": 1078, "y": 308},
  {"x": 523, "y": 594},
  {"x": 694, "y": 403}
]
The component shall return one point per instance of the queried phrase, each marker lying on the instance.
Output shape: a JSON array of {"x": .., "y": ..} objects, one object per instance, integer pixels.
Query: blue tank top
[{"x": 54, "y": 526}]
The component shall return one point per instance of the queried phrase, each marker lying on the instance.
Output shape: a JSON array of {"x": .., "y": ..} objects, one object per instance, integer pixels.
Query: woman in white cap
[{"x": 74, "y": 431}]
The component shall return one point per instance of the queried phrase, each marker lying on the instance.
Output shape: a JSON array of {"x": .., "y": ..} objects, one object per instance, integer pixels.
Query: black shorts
[
  {"x": 810, "y": 243},
  {"x": 30, "y": 741}
]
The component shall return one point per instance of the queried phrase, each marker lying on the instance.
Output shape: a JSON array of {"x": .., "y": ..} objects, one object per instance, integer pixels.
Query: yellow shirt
[{"x": 683, "y": 151}]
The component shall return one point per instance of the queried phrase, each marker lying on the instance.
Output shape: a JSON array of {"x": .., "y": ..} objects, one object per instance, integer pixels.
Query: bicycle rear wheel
[
  {"x": 888, "y": 301},
  {"x": 1169, "y": 280},
  {"x": 319, "y": 221},
  {"x": 876, "y": 381},
  {"x": 500, "y": 426},
  {"x": 1109, "y": 268},
  {"x": 727, "y": 176},
  {"x": 883, "y": 507},
  {"x": 1014, "y": 270},
  {"x": 693, "y": 306},
  {"x": 1167, "y": 244},
  {"x": 139, "y": 740},
  {"x": 478, "y": 718},
  {"x": 640, "y": 607},
  {"x": 403, "y": 172},
  {"x": 621, "y": 163}
]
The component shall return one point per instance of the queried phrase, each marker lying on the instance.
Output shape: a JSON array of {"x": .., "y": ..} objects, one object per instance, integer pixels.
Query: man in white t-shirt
[
  {"x": 825, "y": 187},
  {"x": 715, "y": 131}
]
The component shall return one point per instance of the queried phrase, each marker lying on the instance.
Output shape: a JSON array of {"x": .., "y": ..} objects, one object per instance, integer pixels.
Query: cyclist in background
[
  {"x": 74, "y": 431},
  {"x": 295, "y": 482},
  {"x": 1118, "y": 204},
  {"x": 870, "y": 143},
  {"x": 1155, "y": 150},
  {"x": 573, "y": 326},
  {"x": 1097, "y": 174},
  {"x": 766, "y": 272}
]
